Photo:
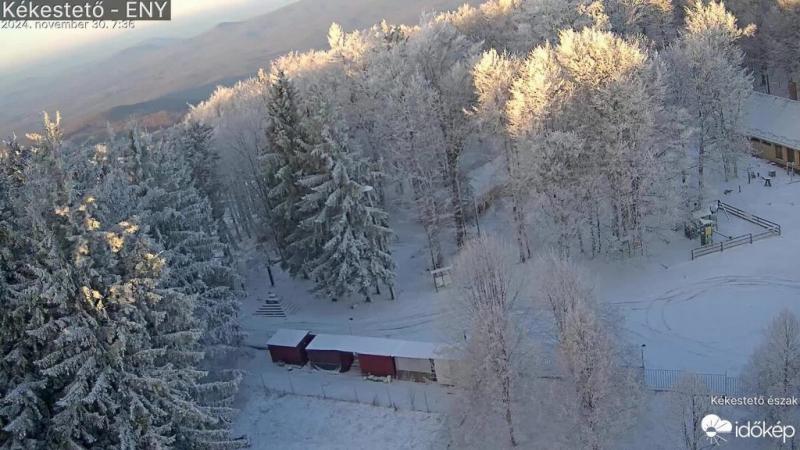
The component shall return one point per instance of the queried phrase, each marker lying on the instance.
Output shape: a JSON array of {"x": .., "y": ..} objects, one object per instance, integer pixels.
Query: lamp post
[
  {"x": 644, "y": 378},
  {"x": 643, "y": 347}
]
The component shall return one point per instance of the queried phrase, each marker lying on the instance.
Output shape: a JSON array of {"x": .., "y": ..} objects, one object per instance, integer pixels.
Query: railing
[
  {"x": 771, "y": 229},
  {"x": 730, "y": 243},
  {"x": 668, "y": 380},
  {"x": 760, "y": 221}
]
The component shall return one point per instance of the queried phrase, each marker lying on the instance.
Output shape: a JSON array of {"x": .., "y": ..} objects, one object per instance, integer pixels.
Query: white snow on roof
[
  {"x": 379, "y": 346},
  {"x": 287, "y": 338},
  {"x": 773, "y": 119}
]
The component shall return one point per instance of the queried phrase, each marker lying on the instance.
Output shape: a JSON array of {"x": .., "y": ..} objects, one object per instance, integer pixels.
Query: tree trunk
[
  {"x": 700, "y": 162},
  {"x": 510, "y": 425},
  {"x": 521, "y": 228},
  {"x": 458, "y": 211},
  {"x": 517, "y": 215}
]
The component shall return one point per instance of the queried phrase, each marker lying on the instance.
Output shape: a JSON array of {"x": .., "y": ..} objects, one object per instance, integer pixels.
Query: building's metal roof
[
  {"x": 773, "y": 119},
  {"x": 287, "y": 338},
  {"x": 379, "y": 346}
]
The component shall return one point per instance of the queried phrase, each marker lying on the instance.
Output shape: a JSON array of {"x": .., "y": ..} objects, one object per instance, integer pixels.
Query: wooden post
[{"x": 269, "y": 272}]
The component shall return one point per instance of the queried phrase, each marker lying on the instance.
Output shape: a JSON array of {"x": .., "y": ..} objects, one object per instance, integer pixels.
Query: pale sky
[{"x": 22, "y": 47}]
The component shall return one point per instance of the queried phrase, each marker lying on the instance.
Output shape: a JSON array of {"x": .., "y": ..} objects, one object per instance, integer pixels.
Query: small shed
[
  {"x": 421, "y": 360},
  {"x": 289, "y": 346},
  {"x": 445, "y": 371},
  {"x": 329, "y": 352}
]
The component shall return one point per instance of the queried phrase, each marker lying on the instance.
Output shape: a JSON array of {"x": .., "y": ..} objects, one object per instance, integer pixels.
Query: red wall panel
[{"x": 380, "y": 366}]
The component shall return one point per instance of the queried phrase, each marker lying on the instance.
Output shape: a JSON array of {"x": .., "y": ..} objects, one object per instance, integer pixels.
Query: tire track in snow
[{"x": 655, "y": 308}]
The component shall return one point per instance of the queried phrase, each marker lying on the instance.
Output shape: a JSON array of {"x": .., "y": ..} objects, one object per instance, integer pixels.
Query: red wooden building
[
  {"x": 380, "y": 356},
  {"x": 327, "y": 352},
  {"x": 289, "y": 346}
]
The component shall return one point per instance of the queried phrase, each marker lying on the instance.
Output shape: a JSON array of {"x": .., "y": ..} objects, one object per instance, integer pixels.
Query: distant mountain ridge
[{"x": 146, "y": 77}]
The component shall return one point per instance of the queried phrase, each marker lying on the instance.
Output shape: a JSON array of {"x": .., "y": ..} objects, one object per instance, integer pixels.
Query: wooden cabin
[{"x": 773, "y": 126}]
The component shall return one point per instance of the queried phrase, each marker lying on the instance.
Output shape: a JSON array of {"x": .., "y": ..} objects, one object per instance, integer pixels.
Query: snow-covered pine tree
[
  {"x": 342, "y": 220},
  {"x": 194, "y": 140},
  {"x": 195, "y": 292},
  {"x": 23, "y": 406},
  {"x": 122, "y": 366},
  {"x": 285, "y": 160},
  {"x": 179, "y": 219},
  {"x": 103, "y": 356}
]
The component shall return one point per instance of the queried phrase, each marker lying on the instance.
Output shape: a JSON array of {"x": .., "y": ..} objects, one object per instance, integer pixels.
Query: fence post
[
  {"x": 751, "y": 238},
  {"x": 291, "y": 385},
  {"x": 726, "y": 383}
]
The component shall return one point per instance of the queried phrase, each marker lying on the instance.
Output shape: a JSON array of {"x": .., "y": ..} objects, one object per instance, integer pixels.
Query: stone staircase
[{"x": 273, "y": 306}]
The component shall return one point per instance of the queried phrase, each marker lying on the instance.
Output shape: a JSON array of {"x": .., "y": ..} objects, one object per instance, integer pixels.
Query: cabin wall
[{"x": 778, "y": 154}]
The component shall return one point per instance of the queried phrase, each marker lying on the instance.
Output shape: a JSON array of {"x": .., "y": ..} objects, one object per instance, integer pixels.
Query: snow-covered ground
[
  {"x": 707, "y": 315},
  {"x": 703, "y": 316},
  {"x": 288, "y": 422}
]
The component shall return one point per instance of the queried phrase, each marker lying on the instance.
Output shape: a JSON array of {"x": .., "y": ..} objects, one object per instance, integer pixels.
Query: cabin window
[
  {"x": 789, "y": 155},
  {"x": 778, "y": 152}
]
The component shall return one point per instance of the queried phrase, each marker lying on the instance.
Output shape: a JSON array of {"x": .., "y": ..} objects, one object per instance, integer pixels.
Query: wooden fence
[{"x": 770, "y": 229}]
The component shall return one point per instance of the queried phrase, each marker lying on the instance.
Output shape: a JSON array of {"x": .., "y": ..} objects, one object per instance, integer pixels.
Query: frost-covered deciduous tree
[
  {"x": 493, "y": 76},
  {"x": 690, "y": 401},
  {"x": 598, "y": 103},
  {"x": 755, "y": 46},
  {"x": 495, "y": 348},
  {"x": 444, "y": 59},
  {"x": 412, "y": 142},
  {"x": 782, "y": 35},
  {"x": 517, "y": 26},
  {"x": 238, "y": 117},
  {"x": 655, "y": 19},
  {"x": 708, "y": 80},
  {"x": 561, "y": 286},
  {"x": 599, "y": 396},
  {"x": 552, "y": 168},
  {"x": 774, "y": 367}
]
